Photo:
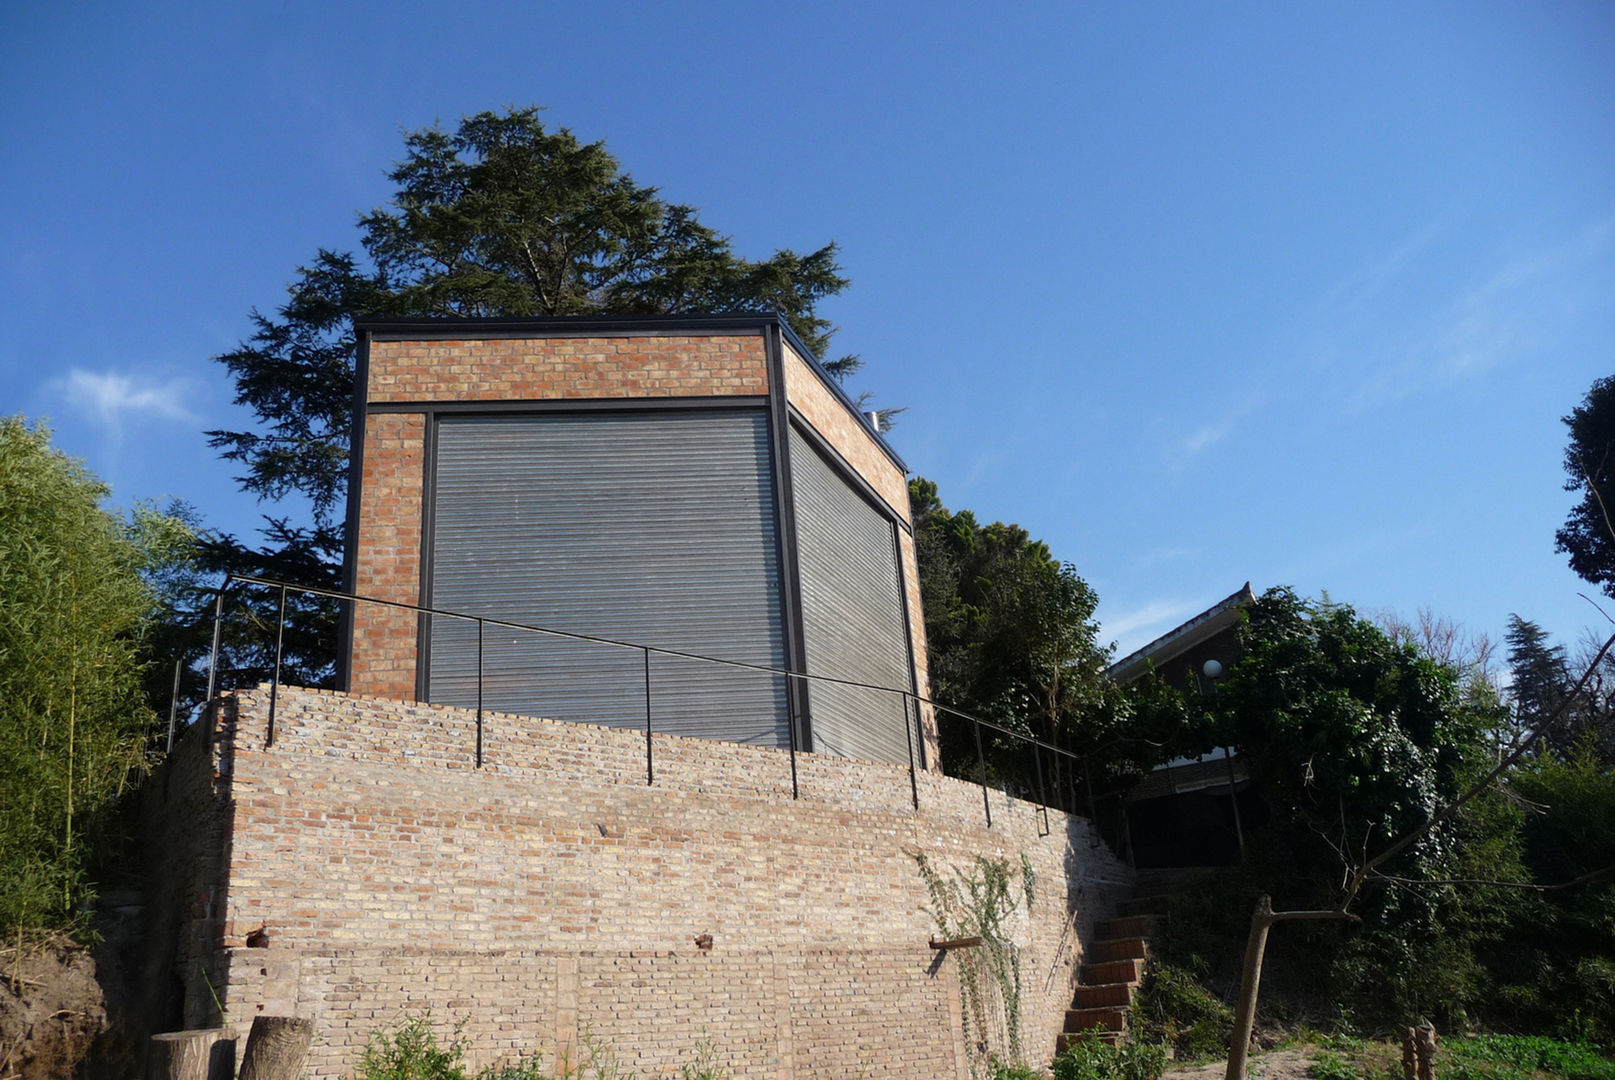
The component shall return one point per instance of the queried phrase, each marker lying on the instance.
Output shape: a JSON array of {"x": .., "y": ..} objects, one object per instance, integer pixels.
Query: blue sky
[{"x": 1293, "y": 293}]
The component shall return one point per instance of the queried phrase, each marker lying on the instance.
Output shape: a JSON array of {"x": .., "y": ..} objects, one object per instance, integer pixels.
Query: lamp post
[{"x": 1211, "y": 671}]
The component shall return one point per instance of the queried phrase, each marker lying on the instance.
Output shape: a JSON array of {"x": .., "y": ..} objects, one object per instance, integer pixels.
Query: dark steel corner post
[
  {"x": 350, "y": 519},
  {"x": 779, "y": 428}
]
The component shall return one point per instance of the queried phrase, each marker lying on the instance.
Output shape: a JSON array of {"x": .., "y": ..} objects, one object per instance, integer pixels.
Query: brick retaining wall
[{"x": 553, "y": 893}]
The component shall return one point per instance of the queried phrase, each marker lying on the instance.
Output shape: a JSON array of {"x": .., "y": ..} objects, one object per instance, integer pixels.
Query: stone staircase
[
  {"x": 1113, "y": 964},
  {"x": 1112, "y": 968}
]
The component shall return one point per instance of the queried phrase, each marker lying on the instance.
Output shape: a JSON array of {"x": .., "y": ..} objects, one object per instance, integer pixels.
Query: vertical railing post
[
  {"x": 981, "y": 760},
  {"x": 274, "y": 682},
  {"x": 173, "y": 705},
  {"x": 650, "y": 769},
  {"x": 1093, "y": 803},
  {"x": 479, "y": 692},
  {"x": 1233, "y": 799},
  {"x": 213, "y": 655},
  {"x": 1042, "y": 792},
  {"x": 908, "y": 735}
]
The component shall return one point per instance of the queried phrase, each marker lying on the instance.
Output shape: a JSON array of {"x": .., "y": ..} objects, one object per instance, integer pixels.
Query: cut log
[
  {"x": 276, "y": 1047},
  {"x": 208, "y": 1054}
]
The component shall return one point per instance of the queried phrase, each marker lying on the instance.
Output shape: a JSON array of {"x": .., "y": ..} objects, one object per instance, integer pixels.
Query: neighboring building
[
  {"x": 695, "y": 484},
  {"x": 1192, "y": 811},
  {"x": 1179, "y": 656}
]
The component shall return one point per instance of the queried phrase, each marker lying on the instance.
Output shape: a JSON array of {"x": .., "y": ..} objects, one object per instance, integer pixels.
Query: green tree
[
  {"x": 76, "y": 595},
  {"x": 1357, "y": 741},
  {"x": 1011, "y": 638},
  {"x": 501, "y": 217},
  {"x": 1587, "y": 535}
]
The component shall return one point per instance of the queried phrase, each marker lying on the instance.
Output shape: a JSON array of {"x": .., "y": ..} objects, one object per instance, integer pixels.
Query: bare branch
[
  {"x": 1451, "y": 809},
  {"x": 1529, "y": 886}
]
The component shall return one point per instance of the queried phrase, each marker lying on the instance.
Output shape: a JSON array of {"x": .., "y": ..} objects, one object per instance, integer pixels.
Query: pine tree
[{"x": 501, "y": 217}]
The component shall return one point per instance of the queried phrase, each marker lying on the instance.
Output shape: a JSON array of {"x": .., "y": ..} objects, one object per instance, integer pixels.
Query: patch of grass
[
  {"x": 1328, "y": 1065},
  {"x": 1521, "y": 1057}
]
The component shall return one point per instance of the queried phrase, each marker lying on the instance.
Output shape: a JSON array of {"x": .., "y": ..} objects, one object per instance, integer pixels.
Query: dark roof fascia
[
  {"x": 386, "y": 328},
  {"x": 1210, "y": 622}
]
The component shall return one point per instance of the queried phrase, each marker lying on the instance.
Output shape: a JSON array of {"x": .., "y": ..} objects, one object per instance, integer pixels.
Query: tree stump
[
  {"x": 276, "y": 1047},
  {"x": 208, "y": 1054}
]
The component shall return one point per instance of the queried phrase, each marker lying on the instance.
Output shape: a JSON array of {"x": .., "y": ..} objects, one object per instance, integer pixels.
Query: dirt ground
[
  {"x": 51, "y": 1009},
  {"x": 1289, "y": 1064}
]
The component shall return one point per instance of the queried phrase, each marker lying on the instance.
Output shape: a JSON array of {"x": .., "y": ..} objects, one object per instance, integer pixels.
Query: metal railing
[{"x": 911, "y": 701}]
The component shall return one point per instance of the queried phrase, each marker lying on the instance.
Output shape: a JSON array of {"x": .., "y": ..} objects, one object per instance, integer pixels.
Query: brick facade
[
  {"x": 394, "y": 472},
  {"x": 550, "y": 368},
  {"x": 553, "y": 893}
]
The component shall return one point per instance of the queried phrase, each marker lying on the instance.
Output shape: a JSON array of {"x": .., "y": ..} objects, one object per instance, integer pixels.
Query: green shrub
[
  {"x": 1089, "y": 1057},
  {"x": 411, "y": 1052},
  {"x": 1002, "y": 1070},
  {"x": 1173, "y": 1007}
]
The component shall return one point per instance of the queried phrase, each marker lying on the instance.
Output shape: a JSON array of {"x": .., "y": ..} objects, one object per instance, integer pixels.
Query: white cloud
[
  {"x": 1141, "y": 625},
  {"x": 1500, "y": 319},
  {"x": 108, "y": 396}
]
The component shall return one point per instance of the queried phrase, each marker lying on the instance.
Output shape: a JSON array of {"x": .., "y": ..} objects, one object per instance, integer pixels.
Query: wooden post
[
  {"x": 1410, "y": 1059},
  {"x": 1262, "y": 920},
  {"x": 276, "y": 1047},
  {"x": 1424, "y": 1048},
  {"x": 208, "y": 1054},
  {"x": 1249, "y": 987}
]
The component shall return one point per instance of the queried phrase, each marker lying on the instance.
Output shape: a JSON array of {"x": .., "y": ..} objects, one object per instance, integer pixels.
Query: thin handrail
[{"x": 639, "y": 647}]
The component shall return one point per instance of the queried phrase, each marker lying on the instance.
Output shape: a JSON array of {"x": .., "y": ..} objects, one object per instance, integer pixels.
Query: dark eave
[{"x": 1204, "y": 626}]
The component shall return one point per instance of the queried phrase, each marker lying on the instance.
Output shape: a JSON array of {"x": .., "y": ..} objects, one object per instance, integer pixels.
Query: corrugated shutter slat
[
  {"x": 654, "y": 528},
  {"x": 852, "y": 613}
]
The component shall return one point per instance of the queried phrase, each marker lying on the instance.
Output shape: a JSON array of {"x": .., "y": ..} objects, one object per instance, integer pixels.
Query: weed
[
  {"x": 1173, "y": 1007},
  {"x": 1328, "y": 1065},
  {"x": 411, "y": 1052},
  {"x": 1089, "y": 1057}
]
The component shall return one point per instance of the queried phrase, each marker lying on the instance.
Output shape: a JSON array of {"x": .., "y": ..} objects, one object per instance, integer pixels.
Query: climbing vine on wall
[{"x": 980, "y": 900}]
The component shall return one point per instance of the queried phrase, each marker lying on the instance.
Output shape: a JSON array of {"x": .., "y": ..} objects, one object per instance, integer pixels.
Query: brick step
[
  {"x": 1066, "y": 1038},
  {"x": 1127, "y": 927},
  {"x": 1143, "y": 905},
  {"x": 1133, "y": 948},
  {"x": 1103, "y": 995},
  {"x": 1106, "y": 1018},
  {"x": 1113, "y": 971}
]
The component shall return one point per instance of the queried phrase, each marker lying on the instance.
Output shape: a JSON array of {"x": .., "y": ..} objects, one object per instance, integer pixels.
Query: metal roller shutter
[
  {"x": 852, "y": 613},
  {"x": 653, "y": 528}
]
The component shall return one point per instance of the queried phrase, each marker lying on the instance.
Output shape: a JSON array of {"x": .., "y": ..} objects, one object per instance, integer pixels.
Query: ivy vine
[{"x": 979, "y": 900}]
